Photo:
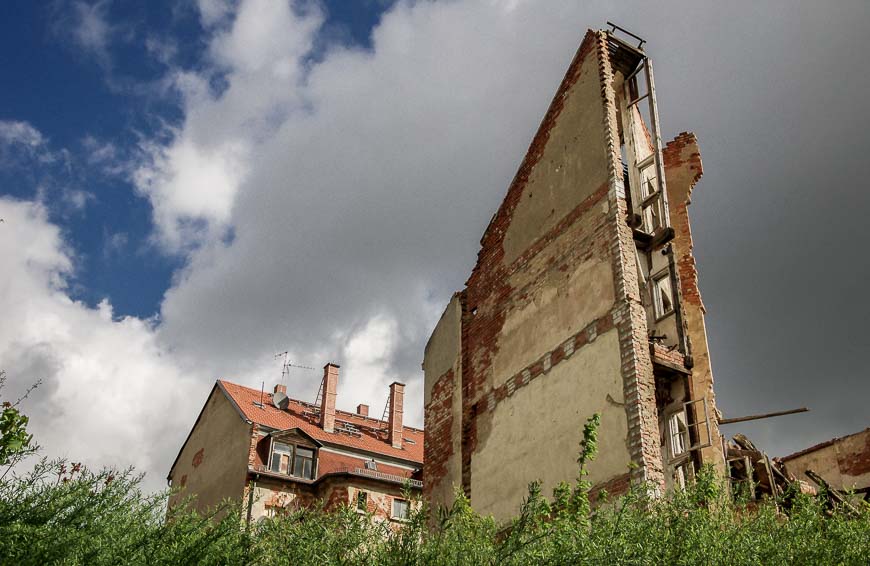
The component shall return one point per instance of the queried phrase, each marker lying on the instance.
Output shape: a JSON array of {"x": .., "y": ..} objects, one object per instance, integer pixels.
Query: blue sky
[
  {"x": 189, "y": 188},
  {"x": 85, "y": 92}
]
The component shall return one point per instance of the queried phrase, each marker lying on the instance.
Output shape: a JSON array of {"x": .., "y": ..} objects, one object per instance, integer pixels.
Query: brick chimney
[
  {"x": 397, "y": 402},
  {"x": 327, "y": 404},
  {"x": 280, "y": 389},
  {"x": 362, "y": 410}
]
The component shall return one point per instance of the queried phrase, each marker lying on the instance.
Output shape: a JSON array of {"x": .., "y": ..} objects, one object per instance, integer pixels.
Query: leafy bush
[{"x": 62, "y": 513}]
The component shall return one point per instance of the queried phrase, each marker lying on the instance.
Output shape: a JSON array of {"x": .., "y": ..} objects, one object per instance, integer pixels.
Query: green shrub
[{"x": 62, "y": 513}]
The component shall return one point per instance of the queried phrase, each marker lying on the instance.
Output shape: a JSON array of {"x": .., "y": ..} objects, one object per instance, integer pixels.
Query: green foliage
[
  {"x": 14, "y": 439},
  {"x": 62, "y": 513}
]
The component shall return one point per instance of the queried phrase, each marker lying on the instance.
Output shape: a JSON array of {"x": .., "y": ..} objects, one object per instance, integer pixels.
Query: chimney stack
[
  {"x": 327, "y": 405},
  {"x": 362, "y": 410},
  {"x": 397, "y": 402},
  {"x": 279, "y": 388}
]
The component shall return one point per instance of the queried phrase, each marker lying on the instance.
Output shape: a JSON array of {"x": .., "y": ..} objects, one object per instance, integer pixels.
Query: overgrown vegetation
[{"x": 62, "y": 513}]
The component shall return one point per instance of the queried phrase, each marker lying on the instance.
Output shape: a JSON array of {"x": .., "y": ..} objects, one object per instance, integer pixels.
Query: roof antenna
[
  {"x": 287, "y": 364},
  {"x": 262, "y": 392}
]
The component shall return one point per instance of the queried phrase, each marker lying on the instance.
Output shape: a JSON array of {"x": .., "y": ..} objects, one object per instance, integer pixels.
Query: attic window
[
  {"x": 292, "y": 460},
  {"x": 371, "y": 465}
]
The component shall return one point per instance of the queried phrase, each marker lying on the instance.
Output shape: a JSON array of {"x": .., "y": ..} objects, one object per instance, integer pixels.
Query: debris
[{"x": 751, "y": 467}]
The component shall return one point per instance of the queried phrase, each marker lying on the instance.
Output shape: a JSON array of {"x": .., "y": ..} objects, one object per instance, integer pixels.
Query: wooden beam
[{"x": 764, "y": 416}]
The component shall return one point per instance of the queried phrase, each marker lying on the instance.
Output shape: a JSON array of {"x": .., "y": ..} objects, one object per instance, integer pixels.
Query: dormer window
[{"x": 292, "y": 460}]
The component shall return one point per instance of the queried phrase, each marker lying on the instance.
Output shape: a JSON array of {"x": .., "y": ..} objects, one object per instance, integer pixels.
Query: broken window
[
  {"x": 679, "y": 444},
  {"x": 362, "y": 500},
  {"x": 678, "y": 434},
  {"x": 688, "y": 429},
  {"x": 281, "y": 454},
  {"x": 663, "y": 297},
  {"x": 401, "y": 509},
  {"x": 651, "y": 202}
]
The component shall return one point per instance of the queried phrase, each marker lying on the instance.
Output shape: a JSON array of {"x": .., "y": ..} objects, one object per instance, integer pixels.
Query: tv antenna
[{"x": 287, "y": 364}]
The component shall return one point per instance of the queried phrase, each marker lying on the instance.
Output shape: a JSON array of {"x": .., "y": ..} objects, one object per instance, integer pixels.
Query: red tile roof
[{"x": 370, "y": 434}]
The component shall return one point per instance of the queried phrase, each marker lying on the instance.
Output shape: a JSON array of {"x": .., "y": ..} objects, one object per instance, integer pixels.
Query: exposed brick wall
[
  {"x": 504, "y": 283},
  {"x": 683, "y": 169},
  {"x": 629, "y": 315},
  {"x": 439, "y": 426},
  {"x": 856, "y": 462},
  {"x": 675, "y": 159},
  {"x": 614, "y": 487},
  {"x": 253, "y": 456}
]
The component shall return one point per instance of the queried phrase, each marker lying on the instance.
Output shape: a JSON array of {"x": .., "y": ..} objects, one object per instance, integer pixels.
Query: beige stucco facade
[
  {"x": 213, "y": 464},
  {"x": 842, "y": 462},
  {"x": 559, "y": 320}
]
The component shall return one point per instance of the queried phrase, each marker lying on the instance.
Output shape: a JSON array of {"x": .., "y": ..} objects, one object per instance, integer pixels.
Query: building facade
[
  {"x": 274, "y": 453},
  {"x": 584, "y": 299}
]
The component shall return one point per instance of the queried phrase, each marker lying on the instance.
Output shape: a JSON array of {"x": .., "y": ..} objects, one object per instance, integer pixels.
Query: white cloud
[
  {"x": 196, "y": 177},
  {"x": 91, "y": 30},
  {"x": 354, "y": 189},
  {"x": 104, "y": 380},
  {"x": 20, "y": 133}
]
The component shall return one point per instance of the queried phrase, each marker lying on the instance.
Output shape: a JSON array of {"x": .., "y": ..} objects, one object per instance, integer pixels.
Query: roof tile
[{"x": 369, "y": 434}]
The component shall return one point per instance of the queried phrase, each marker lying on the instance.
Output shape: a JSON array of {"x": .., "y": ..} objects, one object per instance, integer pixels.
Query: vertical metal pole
[
  {"x": 633, "y": 196},
  {"x": 657, "y": 140}
]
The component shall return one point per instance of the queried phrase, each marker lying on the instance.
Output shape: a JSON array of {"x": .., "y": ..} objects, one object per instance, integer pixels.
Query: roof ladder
[
  {"x": 319, "y": 396},
  {"x": 386, "y": 412}
]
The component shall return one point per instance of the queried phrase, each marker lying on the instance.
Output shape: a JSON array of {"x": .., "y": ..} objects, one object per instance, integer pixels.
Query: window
[
  {"x": 303, "y": 465},
  {"x": 663, "y": 297},
  {"x": 400, "y": 509},
  {"x": 678, "y": 434},
  {"x": 362, "y": 501},
  {"x": 292, "y": 460},
  {"x": 371, "y": 465},
  {"x": 651, "y": 203},
  {"x": 281, "y": 454}
]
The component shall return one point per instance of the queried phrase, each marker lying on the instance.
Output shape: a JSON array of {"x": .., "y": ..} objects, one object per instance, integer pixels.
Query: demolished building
[
  {"x": 843, "y": 463},
  {"x": 584, "y": 299}
]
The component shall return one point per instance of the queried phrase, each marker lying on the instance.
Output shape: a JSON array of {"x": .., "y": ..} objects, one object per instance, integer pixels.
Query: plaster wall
[
  {"x": 535, "y": 433},
  {"x": 442, "y": 367},
  {"x": 845, "y": 463},
  {"x": 213, "y": 464},
  {"x": 572, "y": 164}
]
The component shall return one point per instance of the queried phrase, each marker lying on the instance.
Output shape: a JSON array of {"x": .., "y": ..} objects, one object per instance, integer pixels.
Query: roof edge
[{"x": 821, "y": 445}]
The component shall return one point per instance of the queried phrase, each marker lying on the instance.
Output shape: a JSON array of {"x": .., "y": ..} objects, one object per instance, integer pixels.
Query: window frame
[
  {"x": 292, "y": 455},
  {"x": 362, "y": 497},
  {"x": 288, "y": 453},
  {"x": 407, "y": 505},
  {"x": 658, "y": 306}
]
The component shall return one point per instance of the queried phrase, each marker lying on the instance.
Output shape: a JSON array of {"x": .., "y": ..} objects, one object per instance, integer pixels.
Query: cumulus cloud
[
  {"x": 356, "y": 185},
  {"x": 103, "y": 379}
]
